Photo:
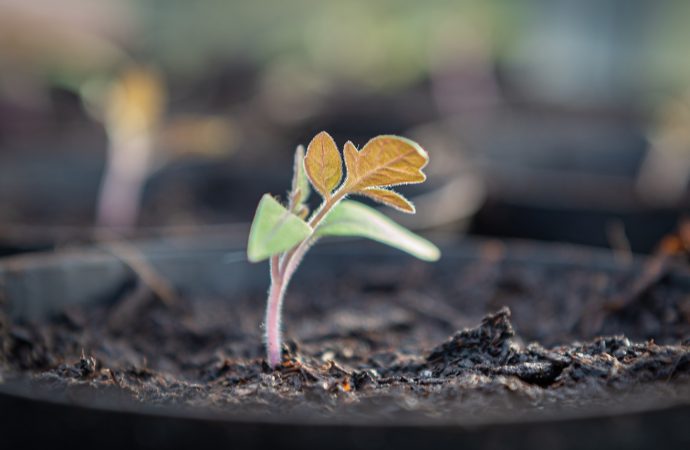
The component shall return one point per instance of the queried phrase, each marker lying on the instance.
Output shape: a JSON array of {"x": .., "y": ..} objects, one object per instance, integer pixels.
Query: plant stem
[
  {"x": 128, "y": 163},
  {"x": 273, "y": 315},
  {"x": 281, "y": 274},
  {"x": 298, "y": 252}
]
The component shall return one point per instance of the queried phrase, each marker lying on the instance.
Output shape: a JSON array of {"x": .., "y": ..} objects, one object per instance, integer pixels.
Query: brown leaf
[
  {"x": 350, "y": 152},
  {"x": 390, "y": 198},
  {"x": 323, "y": 164},
  {"x": 385, "y": 161}
]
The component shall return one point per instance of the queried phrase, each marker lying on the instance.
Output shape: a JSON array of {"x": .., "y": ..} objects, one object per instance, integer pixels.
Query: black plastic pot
[
  {"x": 54, "y": 201},
  {"x": 566, "y": 176},
  {"x": 49, "y": 201},
  {"x": 44, "y": 284}
]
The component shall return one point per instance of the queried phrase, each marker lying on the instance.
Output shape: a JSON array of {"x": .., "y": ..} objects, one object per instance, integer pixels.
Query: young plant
[
  {"x": 142, "y": 137},
  {"x": 283, "y": 234},
  {"x": 132, "y": 109}
]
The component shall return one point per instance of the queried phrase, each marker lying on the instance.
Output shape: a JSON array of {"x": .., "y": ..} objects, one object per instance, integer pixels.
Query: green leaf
[
  {"x": 350, "y": 218},
  {"x": 300, "y": 182},
  {"x": 274, "y": 230}
]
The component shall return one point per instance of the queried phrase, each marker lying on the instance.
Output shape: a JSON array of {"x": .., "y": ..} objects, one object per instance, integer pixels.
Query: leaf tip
[
  {"x": 433, "y": 253},
  {"x": 254, "y": 253},
  {"x": 410, "y": 210},
  {"x": 253, "y": 256},
  {"x": 323, "y": 134},
  {"x": 390, "y": 198}
]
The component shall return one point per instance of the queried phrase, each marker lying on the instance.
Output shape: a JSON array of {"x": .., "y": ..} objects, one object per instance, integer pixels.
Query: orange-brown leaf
[
  {"x": 323, "y": 164},
  {"x": 350, "y": 153},
  {"x": 390, "y": 198},
  {"x": 386, "y": 161}
]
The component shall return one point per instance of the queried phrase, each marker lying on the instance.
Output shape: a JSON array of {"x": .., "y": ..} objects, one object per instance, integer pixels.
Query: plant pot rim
[{"x": 14, "y": 269}]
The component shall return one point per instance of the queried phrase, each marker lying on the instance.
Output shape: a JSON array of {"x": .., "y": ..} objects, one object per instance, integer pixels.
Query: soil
[{"x": 447, "y": 342}]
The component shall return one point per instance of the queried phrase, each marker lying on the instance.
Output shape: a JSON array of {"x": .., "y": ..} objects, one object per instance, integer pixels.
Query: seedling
[
  {"x": 284, "y": 233},
  {"x": 142, "y": 137},
  {"x": 133, "y": 110}
]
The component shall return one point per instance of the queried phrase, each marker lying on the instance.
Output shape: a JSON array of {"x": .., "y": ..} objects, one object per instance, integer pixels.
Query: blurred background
[{"x": 554, "y": 120}]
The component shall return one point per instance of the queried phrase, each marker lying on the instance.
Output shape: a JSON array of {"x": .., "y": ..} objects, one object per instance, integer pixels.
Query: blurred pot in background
[{"x": 558, "y": 125}]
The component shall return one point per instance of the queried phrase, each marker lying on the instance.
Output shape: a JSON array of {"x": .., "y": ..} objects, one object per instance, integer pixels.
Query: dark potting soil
[{"x": 439, "y": 342}]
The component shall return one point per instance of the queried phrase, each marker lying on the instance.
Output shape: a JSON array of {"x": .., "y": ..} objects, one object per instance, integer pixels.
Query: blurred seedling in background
[
  {"x": 284, "y": 233},
  {"x": 141, "y": 138}
]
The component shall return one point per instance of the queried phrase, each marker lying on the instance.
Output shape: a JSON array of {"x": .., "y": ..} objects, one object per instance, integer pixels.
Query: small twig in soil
[
  {"x": 148, "y": 275},
  {"x": 619, "y": 242},
  {"x": 655, "y": 271}
]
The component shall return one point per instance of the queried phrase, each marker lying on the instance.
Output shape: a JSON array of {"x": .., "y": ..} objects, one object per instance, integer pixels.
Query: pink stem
[
  {"x": 273, "y": 321},
  {"x": 119, "y": 198},
  {"x": 273, "y": 324},
  {"x": 280, "y": 277},
  {"x": 129, "y": 158}
]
